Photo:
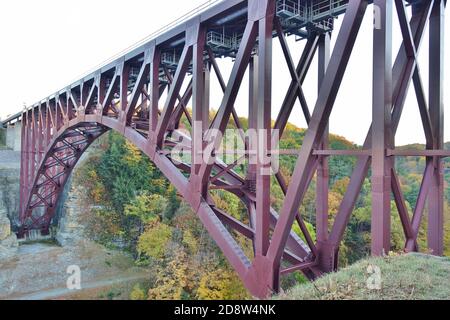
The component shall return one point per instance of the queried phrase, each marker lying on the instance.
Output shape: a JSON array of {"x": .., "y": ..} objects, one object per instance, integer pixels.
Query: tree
[
  {"x": 154, "y": 240},
  {"x": 309, "y": 227},
  {"x": 138, "y": 293},
  {"x": 134, "y": 203},
  {"x": 147, "y": 207},
  {"x": 173, "y": 203},
  {"x": 174, "y": 278},
  {"x": 221, "y": 285}
]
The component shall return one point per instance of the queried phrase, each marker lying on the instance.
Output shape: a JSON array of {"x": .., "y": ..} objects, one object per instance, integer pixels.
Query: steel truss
[{"x": 125, "y": 96}]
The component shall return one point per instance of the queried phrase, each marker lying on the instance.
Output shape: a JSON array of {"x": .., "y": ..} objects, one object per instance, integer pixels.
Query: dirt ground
[{"x": 39, "y": 272}]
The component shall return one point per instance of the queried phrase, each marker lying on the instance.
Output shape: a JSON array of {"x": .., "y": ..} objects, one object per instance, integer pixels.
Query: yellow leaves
[
  {"x": 212, "y": 286},
  {"x": 227, "y": 202},
  {"x": 133, "y": 155},
  {"x": 160, "y": 184},
  {"x": 334, "y": 202},
  {"x": 92, "y": 174},
  {"x": 309, "y": 227},
  {"x": 219, "y": 201},
  {"x": 148, "y": 208},
  {"x": 173, "y": 280},
  {"x": 190, "y": 241},
  {"x": 286, "y": 174},
  {"x": 341, "y": 186},
  {"x": 169, "y": 290},
  {"x": 138, "y": 293},
  {"x": 184, "y": 276},
  {"x": 154, "y": 240},
  {"x": 95, "y": 187},
  {"x": 221, "y": 285}
]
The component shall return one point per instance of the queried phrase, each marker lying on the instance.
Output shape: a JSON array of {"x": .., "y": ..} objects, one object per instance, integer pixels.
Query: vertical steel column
[
  {"x": 252, "y": 121},
  {"x": 34, "y": 145},
  {"x": 58, "y": 114},
  {"x": 39, "y": 128},
  {"x": 101, "y": 93},
  {"x": 47, "y": 132},
  {"x": 251, "y": 144},
  {"x": 70, "y": 106},
  {"x": 322, "y": 168},
  {"x": 42, "y": 142},
  {"x": 200, "y": 117},
  {"x": 436, "y": 102},
  {"x": 143, "y": 114},
  {"x": 154, "y": 91},
  {"x": 23, "y": 165},
  {"x": 43, "y": 117},
  {"x": 48, "y": 139},
  {"x": 382, "y": 137},
  {"x": 264, "y": 125},
  {"x": 124, "y": 78},
  {"x": 207, "y": 94},
  {"x": 29, "y": 161},
  {"x": 84, "y": 91}
]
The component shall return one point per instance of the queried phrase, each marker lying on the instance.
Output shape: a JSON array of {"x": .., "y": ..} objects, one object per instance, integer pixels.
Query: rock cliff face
[
  {"x": 8, "y": 240},
  {"x": 70, "y": 229},
  {"x": 9, "y": 200},
  {"x": 10, "y": 183}
]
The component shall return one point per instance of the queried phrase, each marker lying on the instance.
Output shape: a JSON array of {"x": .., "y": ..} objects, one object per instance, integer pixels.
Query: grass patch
[
  {"x": 403, "y": 277},
  {"x": 120, "y": 291},
  {"x": 50, "y": 242}
]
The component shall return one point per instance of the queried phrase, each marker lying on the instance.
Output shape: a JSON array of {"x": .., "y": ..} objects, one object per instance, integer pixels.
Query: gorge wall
[
  {"x": 68, "y": 231},
  {"x": 9, "y": 200}
]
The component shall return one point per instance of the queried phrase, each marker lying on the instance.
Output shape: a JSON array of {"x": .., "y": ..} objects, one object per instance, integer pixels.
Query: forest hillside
[{"x": 132, "y": 207}]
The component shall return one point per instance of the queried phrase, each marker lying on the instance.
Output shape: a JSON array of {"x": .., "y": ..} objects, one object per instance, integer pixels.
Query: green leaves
[
  {"x": 147, "y": 207},
  {"x": 154, "y": 240},
  {"x": 126, "y": 172}
]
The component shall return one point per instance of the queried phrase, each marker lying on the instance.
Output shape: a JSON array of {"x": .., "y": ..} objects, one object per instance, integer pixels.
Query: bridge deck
[{"x": 226, "y": 22}]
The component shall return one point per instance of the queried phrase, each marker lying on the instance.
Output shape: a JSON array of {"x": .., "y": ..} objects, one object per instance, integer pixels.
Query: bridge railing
[{"x": 177, "y": 22}]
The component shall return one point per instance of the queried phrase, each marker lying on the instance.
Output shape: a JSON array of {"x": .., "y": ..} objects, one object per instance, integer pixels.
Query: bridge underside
[{"x": 126, "y": 96}]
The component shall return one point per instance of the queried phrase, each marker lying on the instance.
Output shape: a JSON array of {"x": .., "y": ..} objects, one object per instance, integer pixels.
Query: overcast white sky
[{"x": 47, "y": 44}]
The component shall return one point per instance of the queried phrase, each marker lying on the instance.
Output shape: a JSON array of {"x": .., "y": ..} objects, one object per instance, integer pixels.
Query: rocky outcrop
[
  {"x": 5, "y": 226},
  {"x": 2, "y": 138},
  {"x": 10, "y": 183},
  {"x": 9, "y": 200},
  {"x": 8, "y": 240},
  {"x": 70, "y": 230}
]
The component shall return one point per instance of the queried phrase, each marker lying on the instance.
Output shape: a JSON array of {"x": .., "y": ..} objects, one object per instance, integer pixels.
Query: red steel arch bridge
[{"x": 143, "y": 96}]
